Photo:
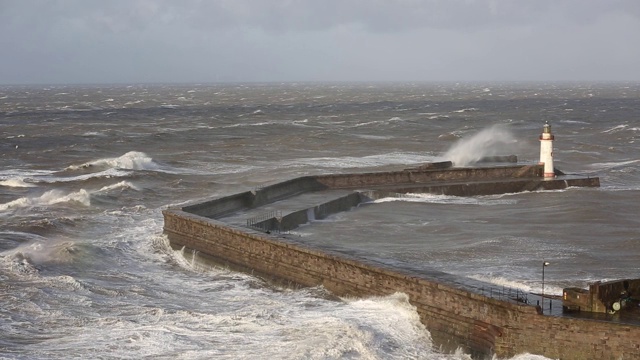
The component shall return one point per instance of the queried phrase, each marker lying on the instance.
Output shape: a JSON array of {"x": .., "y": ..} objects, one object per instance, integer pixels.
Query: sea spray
[{"x": 495, "y": 140}]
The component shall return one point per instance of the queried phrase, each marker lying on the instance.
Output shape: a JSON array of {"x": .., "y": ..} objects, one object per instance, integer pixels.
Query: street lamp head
[{"x": 546, "y": 263}]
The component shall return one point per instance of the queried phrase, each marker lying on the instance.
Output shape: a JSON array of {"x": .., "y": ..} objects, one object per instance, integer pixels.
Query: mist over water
[{"x": 85, "y": 171}]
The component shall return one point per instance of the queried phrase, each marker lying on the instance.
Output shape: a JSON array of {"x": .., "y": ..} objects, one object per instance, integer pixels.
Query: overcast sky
[{"x": 187, "y": 41}]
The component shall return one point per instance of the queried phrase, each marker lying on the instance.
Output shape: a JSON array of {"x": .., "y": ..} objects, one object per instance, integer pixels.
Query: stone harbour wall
[
  {"x": 480, "y": 325},
  {"x": 455, "y": 316}
]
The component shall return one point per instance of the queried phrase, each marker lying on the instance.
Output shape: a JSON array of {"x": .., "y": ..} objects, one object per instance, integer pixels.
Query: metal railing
[
  {"x": 267, "y": 222},
  {"x": 505, "y": 293}
]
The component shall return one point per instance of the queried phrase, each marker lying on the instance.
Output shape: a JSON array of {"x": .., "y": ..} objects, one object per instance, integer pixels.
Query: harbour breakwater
[{"x": 247, "y": 231}]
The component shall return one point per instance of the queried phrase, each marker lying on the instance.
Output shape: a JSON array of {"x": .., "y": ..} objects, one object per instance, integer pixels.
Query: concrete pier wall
[
  {"x": 217, "y": 208},
  {"x": 450, "y": 314},
  {"x": 321, "y": 211},
  {"x": 367, "y": 180},
  {"x": 252, "y": 199},
  {"x": 454, "y": 316}
]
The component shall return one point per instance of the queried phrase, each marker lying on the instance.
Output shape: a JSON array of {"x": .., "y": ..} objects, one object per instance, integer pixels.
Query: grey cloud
[{"x": 294, "y": 40}]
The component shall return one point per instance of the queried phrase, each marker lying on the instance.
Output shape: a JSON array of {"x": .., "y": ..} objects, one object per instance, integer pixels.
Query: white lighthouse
[{"x": 546, "y": 151}]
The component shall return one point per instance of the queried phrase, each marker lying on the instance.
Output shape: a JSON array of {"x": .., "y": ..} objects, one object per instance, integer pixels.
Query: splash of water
[{"x": 492, "y": 141}]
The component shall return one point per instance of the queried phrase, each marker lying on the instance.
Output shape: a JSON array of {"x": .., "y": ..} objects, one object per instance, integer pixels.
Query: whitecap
[
  {"x": 133, "y": 160},
  {"x": 50, "y": 197},
  {"x": 465, "y": 110},
  {"x": 373, "y": 137},
  {"x": 93, "y": 133},
  {"x": 109, "y": 173},
  {"x": 40, "y": 251},
  {"x": 369, "y": 123},
  {"x": 614, "y": 164},
  {"x": 616, "y": 128},
  {"x": 120, "y": 185},
  {"x": 16, "y": 182},
  {"x": 445, "y": 199},
  {"x": 574, "y": 122}
]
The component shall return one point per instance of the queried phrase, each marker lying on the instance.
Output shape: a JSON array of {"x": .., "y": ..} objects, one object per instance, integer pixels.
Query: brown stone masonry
[{"x": 455, "y": 317}]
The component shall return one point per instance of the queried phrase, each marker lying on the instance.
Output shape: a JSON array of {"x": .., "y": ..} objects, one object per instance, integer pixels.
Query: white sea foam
[
  {"x": 251, "y": 124},
  {"x": 50, "y": 197},
  {"x": 465, "y": 110},
  {"x": 378, "y": 122},
  {"x": 133, "y": 160},
  {"x": 93, "y": 133},
  {"x": 120, "y": 185},
  {"x": 616, "y": 129},
  {"x": 495, "y": 140},
  {"x": 39, "y": 251},
  {"x": 446, "y": 199},
  {"x": 108, "y": 173},
  {"x": 613, "y": 164},
  {"x": 16, "y": 182},
  {"x": 435, "y": 117},
  {"x": 501, "y": 281},
  {"x": 515, "y": 284},
  {"x": 574, "y": 122},
  {"x": 374, "y": 137}
]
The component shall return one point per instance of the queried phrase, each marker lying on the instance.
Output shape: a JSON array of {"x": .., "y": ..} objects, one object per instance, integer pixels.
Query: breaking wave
[
  {"x": 16, "y": 182},
  {"x": 133, "y": 160},
  {"x": 50, "y": 197},
  {"x": 23, "y": 258},
  {"x": 121, "y": 185}
]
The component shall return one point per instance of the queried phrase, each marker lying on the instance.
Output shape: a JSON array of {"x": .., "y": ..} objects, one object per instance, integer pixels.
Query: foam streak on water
[{"x": 85, "y": 171}]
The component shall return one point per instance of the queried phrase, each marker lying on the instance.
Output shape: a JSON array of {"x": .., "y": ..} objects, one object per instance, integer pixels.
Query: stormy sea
[{"x": 85, "y": 171}]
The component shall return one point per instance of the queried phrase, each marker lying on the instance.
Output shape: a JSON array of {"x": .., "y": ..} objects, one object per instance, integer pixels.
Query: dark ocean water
[{"x": 85, "y": 171}]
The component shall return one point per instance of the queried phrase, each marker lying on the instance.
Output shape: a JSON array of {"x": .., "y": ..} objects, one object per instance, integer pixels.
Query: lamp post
[{"x": 544, "y": 265}]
